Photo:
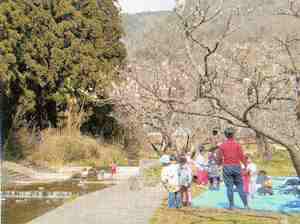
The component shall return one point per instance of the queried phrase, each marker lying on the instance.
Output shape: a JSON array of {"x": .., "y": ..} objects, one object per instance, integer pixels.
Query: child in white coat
[{"x": 170, "y": 179}]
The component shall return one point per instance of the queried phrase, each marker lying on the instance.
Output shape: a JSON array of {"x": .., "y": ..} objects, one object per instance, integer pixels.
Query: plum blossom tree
[
  {"x": 257, "y": 94},
  {"x": 252, "y": 86}
]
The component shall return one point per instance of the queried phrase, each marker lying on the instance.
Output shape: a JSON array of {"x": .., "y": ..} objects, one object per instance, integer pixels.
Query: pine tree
[{"x": 51, "y": 50}]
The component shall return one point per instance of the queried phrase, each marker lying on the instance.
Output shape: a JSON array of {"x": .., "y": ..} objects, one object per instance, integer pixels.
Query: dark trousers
[{"x": 232, "y": 177}]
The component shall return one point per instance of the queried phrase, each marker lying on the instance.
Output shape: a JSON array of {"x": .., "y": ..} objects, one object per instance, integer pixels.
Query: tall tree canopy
[{"x": 51, "y": 50}]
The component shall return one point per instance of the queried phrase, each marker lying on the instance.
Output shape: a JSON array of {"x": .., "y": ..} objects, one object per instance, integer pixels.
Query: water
[{"x": 21, "y": 210}]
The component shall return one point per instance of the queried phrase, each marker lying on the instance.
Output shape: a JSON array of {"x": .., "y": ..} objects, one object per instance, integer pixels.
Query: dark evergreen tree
[{"x": 54, "y": 50}]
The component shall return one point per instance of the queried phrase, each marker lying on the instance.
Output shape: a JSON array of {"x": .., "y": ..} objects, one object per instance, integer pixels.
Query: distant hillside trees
[{"x": 56, "y": 51}]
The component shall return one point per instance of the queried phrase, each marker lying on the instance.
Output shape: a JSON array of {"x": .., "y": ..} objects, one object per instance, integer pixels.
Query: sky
[{"x": 134, "y": 6}]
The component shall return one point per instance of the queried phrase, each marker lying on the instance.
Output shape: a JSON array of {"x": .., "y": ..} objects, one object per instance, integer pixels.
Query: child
[
  {"x": 264, "y": 183},
  {"x": 202, "y": 175},
  {"x": 185, "y": 182},
  {"x": 170, "y": 180},
  {"x": 213, "y": 174},
  {"x": 191, "y": 163},
  {"x": 113, "y": 167},
  {"x": 102, "y": 174},
  {"x": 84, "y": 173},
  {"x": 249, "y": 177}
]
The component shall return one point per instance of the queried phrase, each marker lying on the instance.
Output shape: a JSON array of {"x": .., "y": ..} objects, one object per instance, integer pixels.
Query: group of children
[
  {"x": 178, "y": 172},
  {"x": 177, "y": 178}
]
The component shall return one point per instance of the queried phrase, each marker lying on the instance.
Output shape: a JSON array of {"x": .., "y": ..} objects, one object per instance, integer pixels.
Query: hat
[
  {"x": 173, "y": 158},
  {"x": 165, "y": 159},
  {"x": 229, "y": 131}
]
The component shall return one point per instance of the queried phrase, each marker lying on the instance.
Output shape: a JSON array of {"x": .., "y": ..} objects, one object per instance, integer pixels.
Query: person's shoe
[
  {"x": 231, "y": 207},
  {"x": 247, "y": 207}
]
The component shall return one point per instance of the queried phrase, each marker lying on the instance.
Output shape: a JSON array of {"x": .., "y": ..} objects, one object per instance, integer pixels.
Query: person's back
[
  {"x": 261, "y": 178},
  {"x": 185, "y": 176},
  {"x": 264, "y": 183},
  {"x": 213, "y": 169},
  {"x": 231, "y": 153},
  {"x": 213, "y": 175},
  {"x": 170, "y": 177}
]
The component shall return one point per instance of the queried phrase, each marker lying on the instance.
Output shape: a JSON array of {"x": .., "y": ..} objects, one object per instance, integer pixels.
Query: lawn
[
  {"x": 279, "y": 166},
  {"x": 210, "y": 216}
]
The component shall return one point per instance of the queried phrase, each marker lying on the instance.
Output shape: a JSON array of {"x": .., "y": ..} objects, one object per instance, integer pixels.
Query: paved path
[{"x": 115, "y": 205}]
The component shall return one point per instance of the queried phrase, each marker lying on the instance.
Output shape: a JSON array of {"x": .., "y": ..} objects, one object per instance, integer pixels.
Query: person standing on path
[
  {"x": 231, "y": 155},
  {"x": 113, "y": 167}
]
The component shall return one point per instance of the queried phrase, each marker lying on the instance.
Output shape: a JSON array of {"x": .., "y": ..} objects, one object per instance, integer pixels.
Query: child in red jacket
[{"x": 113, "y": 167}]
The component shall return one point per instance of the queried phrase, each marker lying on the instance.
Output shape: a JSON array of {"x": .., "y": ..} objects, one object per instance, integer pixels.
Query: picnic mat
[{"x": 285, "y": 203}]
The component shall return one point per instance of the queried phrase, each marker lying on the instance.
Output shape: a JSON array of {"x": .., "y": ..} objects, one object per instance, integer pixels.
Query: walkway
[{"x": 116, "y": 205}]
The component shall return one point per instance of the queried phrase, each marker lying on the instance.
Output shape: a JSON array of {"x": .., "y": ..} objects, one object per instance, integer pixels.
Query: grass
[
  {"x": 209, "y": 216},
  {"x": 153, "y": 173},
  {"x": 151, "y": 177},
  {"x": 280, "y": 165},
  {"x": 23, "y": 212}
]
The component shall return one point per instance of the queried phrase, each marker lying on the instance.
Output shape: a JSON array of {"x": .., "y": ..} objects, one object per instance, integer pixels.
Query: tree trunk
[
  {"x": 263, "y": 146},
  {"x": 298, "y": 97},
  {"x": 131, "y": 147},
  {"x": 1, "y": 118},
  {"x": 295, "y": 157}
]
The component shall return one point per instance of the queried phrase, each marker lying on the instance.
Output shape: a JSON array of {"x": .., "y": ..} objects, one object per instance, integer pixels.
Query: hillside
[
  {"x": 136, "y": 27},
  {"x": 256, "y": 19}
]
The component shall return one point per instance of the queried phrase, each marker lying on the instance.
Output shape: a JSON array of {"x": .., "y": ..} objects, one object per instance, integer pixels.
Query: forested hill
[
  {"x": 257, "y": 19},
  {"x": 136, "y": 26}
]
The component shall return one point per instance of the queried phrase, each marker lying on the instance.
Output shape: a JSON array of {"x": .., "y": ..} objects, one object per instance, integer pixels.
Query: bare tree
[
  {"x": 250, "y": 86},
  {"x": 265, "y": 105},
  {"x": 144, "y": 99}
]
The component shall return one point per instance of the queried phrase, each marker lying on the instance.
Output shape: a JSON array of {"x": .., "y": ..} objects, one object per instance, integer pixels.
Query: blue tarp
[{"x": 286, "y": 203}]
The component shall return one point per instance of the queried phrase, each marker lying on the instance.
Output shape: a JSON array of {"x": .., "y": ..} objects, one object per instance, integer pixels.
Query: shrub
[
  {"x": 60, "y": 148},
  {"x": 19, "y": 144}
]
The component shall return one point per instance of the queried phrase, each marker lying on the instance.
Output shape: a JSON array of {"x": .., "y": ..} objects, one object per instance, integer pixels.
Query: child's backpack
[{"x": 185, "y": 177}]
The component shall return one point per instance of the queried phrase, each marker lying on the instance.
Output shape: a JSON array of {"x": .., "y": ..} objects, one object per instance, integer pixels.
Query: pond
[{"x": 25, "y": 202}]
